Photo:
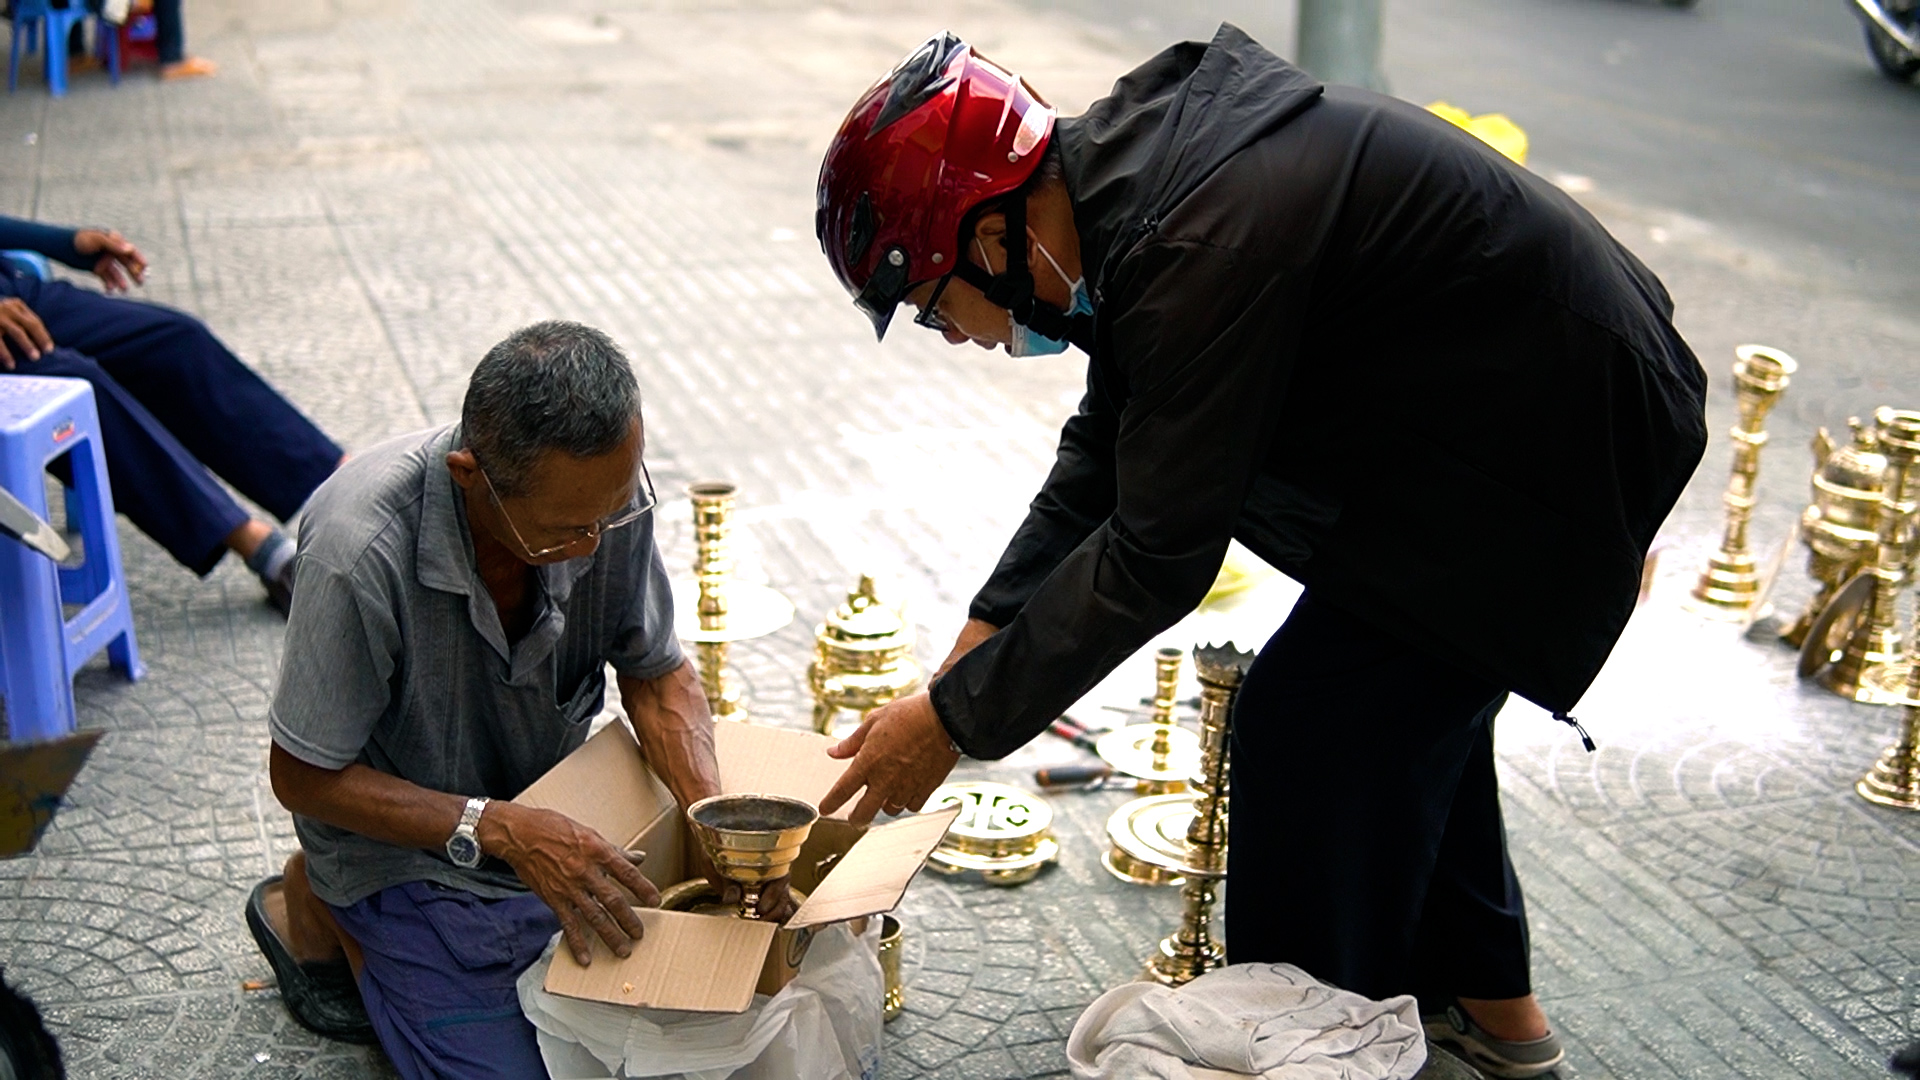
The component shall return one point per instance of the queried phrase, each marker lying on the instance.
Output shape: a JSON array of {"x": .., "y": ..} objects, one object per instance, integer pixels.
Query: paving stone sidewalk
[{"x": 371, "y": 193}]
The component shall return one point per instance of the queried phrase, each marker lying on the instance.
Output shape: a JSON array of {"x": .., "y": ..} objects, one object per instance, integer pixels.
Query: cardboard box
[{"x": 713, "y": 963}]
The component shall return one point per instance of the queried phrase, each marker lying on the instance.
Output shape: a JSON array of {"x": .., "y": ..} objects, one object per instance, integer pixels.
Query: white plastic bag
[{"x": 825, "y": 1024}]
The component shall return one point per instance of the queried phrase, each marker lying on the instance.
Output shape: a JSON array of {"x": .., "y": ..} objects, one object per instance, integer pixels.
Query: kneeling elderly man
[{"x": 460, "y": 591}]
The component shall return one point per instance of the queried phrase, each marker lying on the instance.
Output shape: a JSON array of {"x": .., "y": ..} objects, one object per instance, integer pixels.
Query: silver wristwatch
[{"x": 463, "y": 847}]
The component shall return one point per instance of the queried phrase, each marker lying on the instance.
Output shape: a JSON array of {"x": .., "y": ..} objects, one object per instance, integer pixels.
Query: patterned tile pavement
[{"x": 373, "y": 193}]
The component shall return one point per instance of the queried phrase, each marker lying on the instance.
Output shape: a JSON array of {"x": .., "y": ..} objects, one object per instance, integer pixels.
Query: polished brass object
[
  {"x": 862, "y": 658},
  {"x": 895, "y": 996},
  {"x": 1870, "y": 667},
  {"x": 714, "y": 610},
  {"x": 698, "y": 896},
  {"x": 1191, "y": 951},
  {"x": 1895, "y": 778},
  {"x": 1160, "y": 754},
  {"x": 751, "y": 839},
  {"x": 1839, "y": 526},
  {"x": 1003, "y": 834},
  {"x": 1731, "y": 582},
  {"x": 1147, "y": 839}
]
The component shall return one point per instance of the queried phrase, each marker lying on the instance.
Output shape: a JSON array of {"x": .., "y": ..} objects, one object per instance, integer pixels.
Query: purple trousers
[{"x": 438, "y": 979}]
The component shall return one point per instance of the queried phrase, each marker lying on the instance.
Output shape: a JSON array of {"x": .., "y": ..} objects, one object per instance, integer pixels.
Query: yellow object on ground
[
  {"x": 1240, "y": 571},
  {"x": 1494, "y": 129}
]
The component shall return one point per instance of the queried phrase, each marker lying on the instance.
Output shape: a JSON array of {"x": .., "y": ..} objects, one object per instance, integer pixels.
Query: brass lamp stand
[
  {"x": 1731, "y": 584},
  {"x": 714, "y": 610},
  {"x": 862, "y": 658},
  {"x": 1895, "y": 778},
  {"x": 1871, "y": 667},
  {"x": 1192, "y": 950},
  {"x": 1160, "y": 754}
]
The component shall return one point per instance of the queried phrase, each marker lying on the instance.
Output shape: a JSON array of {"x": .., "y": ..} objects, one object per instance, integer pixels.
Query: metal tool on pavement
[{"x": 30, "y": 529}]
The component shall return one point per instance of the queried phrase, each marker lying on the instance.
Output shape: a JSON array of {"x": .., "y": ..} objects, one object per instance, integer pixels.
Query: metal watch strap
[{"x": 470, "y": 817}]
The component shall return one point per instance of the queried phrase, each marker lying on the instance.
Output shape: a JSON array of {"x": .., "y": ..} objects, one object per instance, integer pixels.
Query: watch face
[{"x": 463, "y": 850}]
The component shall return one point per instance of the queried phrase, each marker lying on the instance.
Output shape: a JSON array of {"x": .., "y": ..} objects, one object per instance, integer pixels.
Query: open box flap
[
  {"x": 871, "y": 877},
  {"x": 775, "y": 761},
  {"x": 605, "y": 785},
  {"x": 699, "y": 963}
]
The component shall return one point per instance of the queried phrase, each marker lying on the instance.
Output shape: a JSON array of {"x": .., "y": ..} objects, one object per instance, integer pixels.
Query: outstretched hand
[
  {"x": 120, "y": 265},
  {"x": 591, "y": 885},
  {"x": 900, "y": 754}
]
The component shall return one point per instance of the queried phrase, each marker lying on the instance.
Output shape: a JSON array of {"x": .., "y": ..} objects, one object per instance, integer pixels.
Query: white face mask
[{"x": 1022, "y": 341}]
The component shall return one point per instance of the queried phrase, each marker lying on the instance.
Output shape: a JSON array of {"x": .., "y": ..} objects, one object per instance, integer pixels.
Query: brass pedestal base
[
  {"x": 1161, "y": 757},
  {"x": 1147, "y": 840},
  {"x": 1003, "y": 834},
  {"x": 1894, "y": 780}
]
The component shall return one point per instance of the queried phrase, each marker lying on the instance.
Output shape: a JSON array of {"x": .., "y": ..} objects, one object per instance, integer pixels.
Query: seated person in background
[
  {"x": 461, "y": 591},
  {"x": 173, "y": 403}
]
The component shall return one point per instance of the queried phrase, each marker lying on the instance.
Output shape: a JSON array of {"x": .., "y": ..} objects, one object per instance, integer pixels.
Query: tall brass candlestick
[
  {"x": 1895, "y": 779},
  {"x": 1159, "y": 754},
  {"x": 718, "y": 610},
  {"x": 1731, "y": 583},
  {"x": 712, "y": 562},
  {"x": 1166, "y": 683},
  {"x": 1192, "y": 950},
  {"x": 1870, "y": 668}
]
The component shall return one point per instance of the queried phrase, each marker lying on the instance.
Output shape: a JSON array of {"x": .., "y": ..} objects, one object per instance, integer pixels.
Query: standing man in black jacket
[{"x": 1413, "y": 376}]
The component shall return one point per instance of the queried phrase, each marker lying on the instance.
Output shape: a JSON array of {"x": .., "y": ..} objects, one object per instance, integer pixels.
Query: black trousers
[
  {"x": 1366, "y": 843},
  {"x": 174, "y": 403}
]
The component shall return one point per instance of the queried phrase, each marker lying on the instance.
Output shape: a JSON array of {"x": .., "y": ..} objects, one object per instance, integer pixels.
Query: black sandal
[{"x": 321, "y": 995}]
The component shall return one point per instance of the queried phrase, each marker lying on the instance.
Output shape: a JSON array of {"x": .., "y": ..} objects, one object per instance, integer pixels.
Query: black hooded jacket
[{"x": 1410, "y": 374}]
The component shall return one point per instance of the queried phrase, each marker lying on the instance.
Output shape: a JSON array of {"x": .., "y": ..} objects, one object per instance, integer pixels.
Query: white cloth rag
[{"x": 1267, "y": 1020}]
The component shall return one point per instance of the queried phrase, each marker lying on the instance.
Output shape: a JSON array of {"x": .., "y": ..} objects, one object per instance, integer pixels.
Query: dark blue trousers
[
  {"x": 175, "y": 403},
  {"x": 1365, "y": 842},
  {"x": 439, "y": 973}
]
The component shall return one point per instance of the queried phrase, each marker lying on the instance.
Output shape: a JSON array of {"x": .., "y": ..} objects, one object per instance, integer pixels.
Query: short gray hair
[{"x": 551, "y": 386}]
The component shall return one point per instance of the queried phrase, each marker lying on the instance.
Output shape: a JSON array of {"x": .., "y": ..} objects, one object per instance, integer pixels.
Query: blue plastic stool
[
  {"x": 41, "y": 648},
  {"x": 38, "y": 21}
]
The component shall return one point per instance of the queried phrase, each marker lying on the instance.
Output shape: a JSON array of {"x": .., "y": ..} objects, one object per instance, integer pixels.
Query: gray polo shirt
[{"x": 395, "y": 657}]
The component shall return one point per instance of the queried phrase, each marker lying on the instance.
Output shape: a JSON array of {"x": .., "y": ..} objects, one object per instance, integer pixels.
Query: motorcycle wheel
[{"x": 1892, "y": 58}]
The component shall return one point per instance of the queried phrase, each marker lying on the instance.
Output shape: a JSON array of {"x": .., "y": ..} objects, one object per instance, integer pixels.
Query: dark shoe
[
  {"x": 1495, "y": 1057},
  {"x": 321, "y": 995},
  {"x": 280, "y": 590}
]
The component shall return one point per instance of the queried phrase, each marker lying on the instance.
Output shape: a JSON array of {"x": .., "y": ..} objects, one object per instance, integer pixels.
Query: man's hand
[
  {"x": 589, "y": 883},
  {"x": 900, "y": 754},
  {"x": 119, "y": 261},
  {"x": 21, "y": 332}
]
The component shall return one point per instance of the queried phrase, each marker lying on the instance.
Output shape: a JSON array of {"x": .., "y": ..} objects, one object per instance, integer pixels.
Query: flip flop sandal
[
  {"x": 1503, "y": 1058},
  {"x": 321, "y": 995}
]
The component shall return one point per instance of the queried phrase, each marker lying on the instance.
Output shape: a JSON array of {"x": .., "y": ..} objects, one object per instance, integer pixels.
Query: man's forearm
[
  {"x": 53, "y": 241},
  {"x": 670, "y": 717},
  {"x": 366, "y": 801}
]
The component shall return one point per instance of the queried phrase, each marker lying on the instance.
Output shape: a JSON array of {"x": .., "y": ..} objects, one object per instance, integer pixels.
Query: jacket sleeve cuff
[{"x": 948, "y": 709}]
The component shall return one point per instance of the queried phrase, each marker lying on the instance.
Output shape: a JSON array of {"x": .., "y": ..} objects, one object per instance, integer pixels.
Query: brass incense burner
[
  {"x": 1730, "y": 587},
  {"x": 1192, "y": 950},
  {"x": 1160, "y": 754},
  {"x": 862, "y": 658},
  {"x": 714, "y": 610},
  {"x": 1003, "y": 834},
  {"x": 751, "y": 839},
  {"x": 1870, "y": 665},
  {"x": 1839, "y": 526}
]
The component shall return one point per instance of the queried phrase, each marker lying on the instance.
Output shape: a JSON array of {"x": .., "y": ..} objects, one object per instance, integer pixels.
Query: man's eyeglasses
[
  {"x": 644, "y": 500},
  {"x": 929, "y": 316}
]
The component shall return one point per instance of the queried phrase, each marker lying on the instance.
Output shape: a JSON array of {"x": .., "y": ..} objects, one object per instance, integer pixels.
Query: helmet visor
[{"x": 885, "y": 290}]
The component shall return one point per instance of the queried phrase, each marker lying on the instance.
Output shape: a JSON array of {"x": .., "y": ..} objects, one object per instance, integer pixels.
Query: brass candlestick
[
  {"x": 1192, "y": 950},
  {"x": 1731, "y": 583},
  {"x": 862, "y": 657},
  {"x": 1839, "y": 526},
  {"x": 715, "y": 610},
  {"x": 1895, "y": 778},
  {"x": 1871, "y": 666},
  {"x": 751, "y": 839},
  {"x": 1160, "y": 754}
]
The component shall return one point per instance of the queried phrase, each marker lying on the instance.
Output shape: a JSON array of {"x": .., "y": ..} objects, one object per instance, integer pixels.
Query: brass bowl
[
  {"x": 697, "y": 896},
  {"x": 752, "y": 838}
]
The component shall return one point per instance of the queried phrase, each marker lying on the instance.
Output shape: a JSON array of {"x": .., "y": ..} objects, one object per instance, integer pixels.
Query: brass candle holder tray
[
  {"x": 1003, "y": 834},
  {"x": 1147, "y": 840}
]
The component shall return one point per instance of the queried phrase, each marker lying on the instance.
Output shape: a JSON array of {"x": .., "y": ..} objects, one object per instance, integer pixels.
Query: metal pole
[{"x": 1339, "y": 41}]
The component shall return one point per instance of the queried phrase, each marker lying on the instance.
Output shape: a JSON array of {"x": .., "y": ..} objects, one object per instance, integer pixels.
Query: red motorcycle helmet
[{"x": 944, "y": 131}]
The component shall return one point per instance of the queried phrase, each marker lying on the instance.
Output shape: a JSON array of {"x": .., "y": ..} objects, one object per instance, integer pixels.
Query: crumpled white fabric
[
  {"x": 1267, "y": 1020},
  {"x": 824, "y": 1024}
]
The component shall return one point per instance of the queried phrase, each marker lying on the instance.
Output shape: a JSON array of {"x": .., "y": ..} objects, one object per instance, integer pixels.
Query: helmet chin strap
[{"x": 1013, "y": 288}]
